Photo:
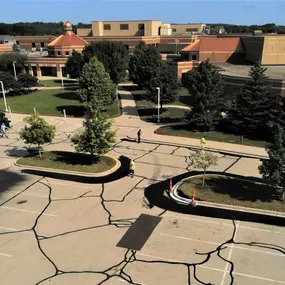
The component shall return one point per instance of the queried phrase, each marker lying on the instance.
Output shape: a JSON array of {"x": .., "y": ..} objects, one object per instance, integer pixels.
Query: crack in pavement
[{"x": 130, "y": 257}]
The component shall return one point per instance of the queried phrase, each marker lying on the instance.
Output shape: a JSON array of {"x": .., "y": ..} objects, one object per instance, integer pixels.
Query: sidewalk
[{"x": 130, "y": 117}]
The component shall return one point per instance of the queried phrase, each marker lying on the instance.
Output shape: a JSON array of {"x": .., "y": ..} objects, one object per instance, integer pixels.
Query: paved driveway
[{"x": 55, "y": 231}]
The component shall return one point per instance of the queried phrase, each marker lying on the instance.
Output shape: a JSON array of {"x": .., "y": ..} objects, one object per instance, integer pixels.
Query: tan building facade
[
  {"x": 181, "y": 29},
  {"x": 267, "y": 49},
  {"x": 122, "y": 28}
]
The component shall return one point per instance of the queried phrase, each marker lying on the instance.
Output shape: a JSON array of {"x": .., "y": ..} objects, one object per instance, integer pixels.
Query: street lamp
[
  {"x": 4, "y": 97},
  {"x": 15, "y": 73},
  {"x": 158, "y": 103}
]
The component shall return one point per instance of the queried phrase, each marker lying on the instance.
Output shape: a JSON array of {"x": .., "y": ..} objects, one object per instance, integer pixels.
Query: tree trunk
[
  {"x": 204, "y": 174},
  {"x": 40, "y": 154},
  {"x": 92, "y": 153}
]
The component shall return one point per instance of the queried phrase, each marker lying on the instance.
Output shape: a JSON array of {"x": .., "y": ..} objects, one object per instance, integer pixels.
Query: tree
[
  {"x": 7, "y": 59},
  {"x": 96, "y": 87},
  {"x": 113, "y": 56},
  {"x": 97, "y": 138},
  {"x": 203, "y": 160},
  {"x": 27, "y": 80},
  {"x": 258, "y": 108},
  {"x": 8, "y": 80},
  {"x": 37, "y": 132},
  {"x": 168, "y": 83},
  {"x": 74, "y": 64},
  {"x": 205, "y": 84},
  {"x": 134, "y": 62},
  {"x": 273, "y": 170},
  {"x": 145, "y": 65}
]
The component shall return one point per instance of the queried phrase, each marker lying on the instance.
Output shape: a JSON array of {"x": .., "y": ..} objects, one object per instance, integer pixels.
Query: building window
[
  {"x": 141, "y": 26},
  {"x": 58, "y": 53},
  {"x": 33, "y": 44},
  {"x": 67, "y": 53},
  {"x": 191, "y": 30},
  {"x": 174, "y": 30},
  {"x": 194, "y": 57},
  {"x": 107, "y": 27},
  {"x": 42, "y": 44},
  {"x": 124, "y": 26}
]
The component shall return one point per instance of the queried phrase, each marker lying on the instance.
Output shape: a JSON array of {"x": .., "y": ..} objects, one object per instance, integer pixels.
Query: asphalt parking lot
[{"x": 55, "y": 231}]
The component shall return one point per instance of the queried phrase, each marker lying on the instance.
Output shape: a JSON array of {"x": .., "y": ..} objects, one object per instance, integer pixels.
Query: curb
[
  {"x": 232, "y": 153},
  {"x": 187, "y": 201},
  {"x": 75, "y": 173}
]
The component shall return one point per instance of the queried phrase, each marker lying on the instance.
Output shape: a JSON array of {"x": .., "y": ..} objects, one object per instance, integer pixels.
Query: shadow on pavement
[
  {"x": 8, "y": 180},
  {"x": 123, "y": 171},
  {"x": 155, "y": 194}
]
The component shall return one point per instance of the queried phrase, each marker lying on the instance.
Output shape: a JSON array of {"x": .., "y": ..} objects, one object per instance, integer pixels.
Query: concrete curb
[
  {"x": 75, "y": 173},
  {"x": 187, "y": 201},
  {"x": 233, "y": 153}
]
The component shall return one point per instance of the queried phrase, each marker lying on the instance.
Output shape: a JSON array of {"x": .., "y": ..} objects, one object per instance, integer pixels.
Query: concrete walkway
[{"x": 130, "y": 118}]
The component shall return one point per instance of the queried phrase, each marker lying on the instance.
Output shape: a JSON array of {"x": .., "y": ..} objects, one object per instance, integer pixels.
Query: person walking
[
  {"x": 3, "y": 130},
  {"x": 203, "y": 141},
  {"x": 132, "y": 168},
  {"x": 139, "y": 135}
]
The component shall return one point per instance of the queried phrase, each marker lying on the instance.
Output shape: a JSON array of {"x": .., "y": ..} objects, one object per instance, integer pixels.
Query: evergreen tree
[
  {"x": 74, "y": 64},
  {"x": 273, "y": 169},
  {"x": 134, "y": 62},
  {"x": 113, "y": 56},
  {"x": 258, "y": 108},
  {"x": 97, "y": 138},
  {"x": 96, "y": 87},
  {"x": 206, "y": 86},
  {"x": 168, "y": 83},
  {"x": 145, "y": 65}
]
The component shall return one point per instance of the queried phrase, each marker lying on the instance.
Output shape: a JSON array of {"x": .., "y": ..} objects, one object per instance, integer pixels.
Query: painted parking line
[
  {"x": 177, "y": 261},
  {"x": 229, "y": 256},
  {"x": 186, "y": 238},
  {"x": 27, "y": 211},
  {"x": 27, "y": 231},
  {"x": 214, "y": 269},
  {"x": 6, "y": 255},
  {"x": 223, "y": 224},
  {"x": 216, "y": 243},
  {"x": 34, "y": 195}
]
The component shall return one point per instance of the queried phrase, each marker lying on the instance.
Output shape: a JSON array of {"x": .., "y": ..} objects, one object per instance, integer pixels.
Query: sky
[{"x": 169, "y": 11}]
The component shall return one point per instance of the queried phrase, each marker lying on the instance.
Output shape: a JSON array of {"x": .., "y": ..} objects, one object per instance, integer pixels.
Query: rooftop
[
  {"x": 213, "y": 44},
  {"x": 274, "y": 72}
]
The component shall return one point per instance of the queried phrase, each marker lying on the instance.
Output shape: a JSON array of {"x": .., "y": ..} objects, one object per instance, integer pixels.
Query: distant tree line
[
  {"x": 36, "y": 28},
  {"x": 266, "y": 28}
]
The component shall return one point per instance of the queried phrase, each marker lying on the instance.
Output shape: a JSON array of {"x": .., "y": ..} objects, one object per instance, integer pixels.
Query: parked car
[{"x": 4, "y": 119}]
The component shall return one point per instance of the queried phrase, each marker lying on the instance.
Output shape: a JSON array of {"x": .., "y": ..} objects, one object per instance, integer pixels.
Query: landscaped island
[
  {"x": 233, "y": 191},
  {"x": 69, "y": 161}
]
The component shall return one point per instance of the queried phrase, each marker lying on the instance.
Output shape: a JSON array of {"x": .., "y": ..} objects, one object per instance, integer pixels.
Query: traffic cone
[
  {"x": 170, "y": 186},
  {"x": 193, "y": 202}
]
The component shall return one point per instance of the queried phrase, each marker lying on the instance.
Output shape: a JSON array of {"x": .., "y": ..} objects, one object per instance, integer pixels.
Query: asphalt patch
[{"x": 138, "y": 234}]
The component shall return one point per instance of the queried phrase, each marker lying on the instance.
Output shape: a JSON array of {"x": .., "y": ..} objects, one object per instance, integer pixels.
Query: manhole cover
[{"x": 22, "y": 202}]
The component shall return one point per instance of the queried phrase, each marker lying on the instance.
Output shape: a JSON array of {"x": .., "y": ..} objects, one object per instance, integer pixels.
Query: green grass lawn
[
  {"x": 233, "y": 191},
  {"x": 69, "y": 161},
  {"x": 167, "y": 115},
  {"x": 56, "y": 82},
  {"x": 182, "y": 131},
  {"x": 53, "y": 102}
]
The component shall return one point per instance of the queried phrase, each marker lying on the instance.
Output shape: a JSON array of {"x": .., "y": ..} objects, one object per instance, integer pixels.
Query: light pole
[
  {"x": 4, "y": 97},
  {"x": 158, "y": 103},
  {"x": 15, "y": 73}
]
